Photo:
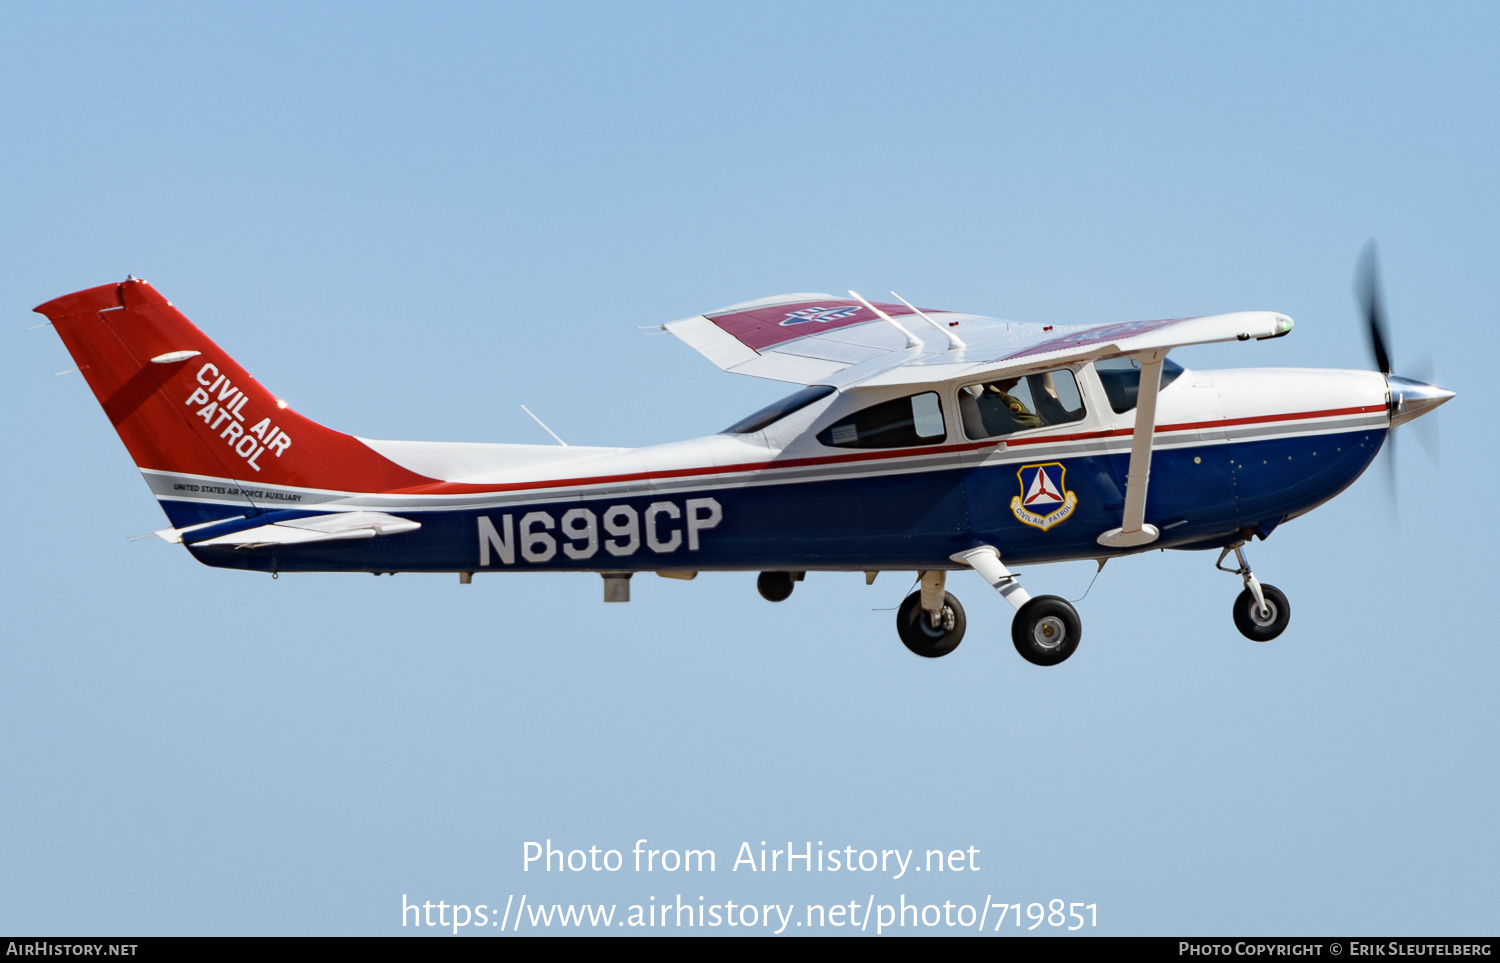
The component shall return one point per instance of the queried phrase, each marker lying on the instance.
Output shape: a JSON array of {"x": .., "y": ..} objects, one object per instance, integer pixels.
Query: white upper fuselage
[{"x": 1199, "y": 407}]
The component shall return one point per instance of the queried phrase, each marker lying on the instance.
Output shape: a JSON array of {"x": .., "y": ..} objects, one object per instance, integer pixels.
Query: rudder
[{"x": 183, "y": 406}]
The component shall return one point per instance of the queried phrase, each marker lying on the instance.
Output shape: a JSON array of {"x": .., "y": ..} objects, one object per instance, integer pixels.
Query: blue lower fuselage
[{"x": 1200, "y": 496}]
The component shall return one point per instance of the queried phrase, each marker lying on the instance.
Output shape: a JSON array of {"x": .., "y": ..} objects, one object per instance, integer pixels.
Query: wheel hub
[
  {"x": 1263, "y": 616},
  {"x": 939, "y": 623},
  {"x": 1049, "y": 633}
]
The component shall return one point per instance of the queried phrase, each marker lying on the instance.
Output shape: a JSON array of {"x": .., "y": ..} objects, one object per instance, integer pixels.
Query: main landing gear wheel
[
  {"x": 921, "y": 636},
  {"x": 775, "y": 586},
  {"x": 1046, "y": 630},
  {"x": 1259, "y": 625}
]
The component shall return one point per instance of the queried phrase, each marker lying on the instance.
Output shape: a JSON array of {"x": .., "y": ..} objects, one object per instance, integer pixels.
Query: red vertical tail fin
[{"x": 182, "y": 406}]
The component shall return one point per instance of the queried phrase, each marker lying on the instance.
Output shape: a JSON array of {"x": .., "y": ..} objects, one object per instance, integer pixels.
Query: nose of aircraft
[{"x": 1412, "y": 399}]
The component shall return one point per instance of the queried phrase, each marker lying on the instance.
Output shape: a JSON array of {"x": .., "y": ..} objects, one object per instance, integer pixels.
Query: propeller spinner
[{"x": 1409, "y": 397}]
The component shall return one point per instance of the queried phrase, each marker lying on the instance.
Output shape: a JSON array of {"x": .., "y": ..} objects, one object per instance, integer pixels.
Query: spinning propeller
[{"x": 1410, "y": 398}]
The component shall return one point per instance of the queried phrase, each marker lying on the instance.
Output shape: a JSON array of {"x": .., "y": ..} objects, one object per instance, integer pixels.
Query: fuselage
[{"x": 1235, "y": 451}]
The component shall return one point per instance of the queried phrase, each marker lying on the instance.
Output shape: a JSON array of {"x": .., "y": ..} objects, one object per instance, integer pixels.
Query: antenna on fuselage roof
[
  {"x": 544, "y": 426},
  {"x": 912, "y": 341},
  {"x": 955, "y": 343}
]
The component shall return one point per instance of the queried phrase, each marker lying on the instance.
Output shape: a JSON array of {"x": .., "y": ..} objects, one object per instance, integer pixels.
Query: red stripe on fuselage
[{"x": 461, "y": 488}]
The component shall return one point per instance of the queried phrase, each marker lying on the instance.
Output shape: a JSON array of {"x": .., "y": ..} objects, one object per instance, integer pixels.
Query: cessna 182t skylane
[{"x": 923, "y": 440}]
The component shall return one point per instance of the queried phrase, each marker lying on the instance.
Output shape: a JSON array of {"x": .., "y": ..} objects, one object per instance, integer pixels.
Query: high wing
[{"x": 821, "y": 339}]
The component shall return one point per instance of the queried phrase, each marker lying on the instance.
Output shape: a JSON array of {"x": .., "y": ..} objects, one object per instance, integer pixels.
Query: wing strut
[{"x": 1133, "y": 530}]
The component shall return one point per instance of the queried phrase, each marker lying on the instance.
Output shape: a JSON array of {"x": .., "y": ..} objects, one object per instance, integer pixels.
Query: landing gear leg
[
  {"x": 1261, "y": 612},
  {"x": 1046, "y": 629},
  {"x": 930, "y": 622}
]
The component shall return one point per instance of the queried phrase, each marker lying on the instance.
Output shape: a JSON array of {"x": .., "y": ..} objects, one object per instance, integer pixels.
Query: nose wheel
[
  {"x": 1261, "y": 612},
  {"x": 1264, "y": 620}
]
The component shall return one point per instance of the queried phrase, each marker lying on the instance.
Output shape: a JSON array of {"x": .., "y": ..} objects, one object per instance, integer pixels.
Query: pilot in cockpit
[
  {"x": 1000, "y": 391},
  {"x": 991, "y": 409},
  {"x": 1008, "y": 405}
]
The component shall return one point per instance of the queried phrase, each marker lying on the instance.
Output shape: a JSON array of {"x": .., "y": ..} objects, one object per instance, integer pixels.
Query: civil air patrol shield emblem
[{"x": 1043, "y": 501}]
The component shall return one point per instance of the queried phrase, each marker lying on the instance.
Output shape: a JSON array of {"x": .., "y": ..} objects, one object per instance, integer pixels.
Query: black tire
[
  {"x": 1046, "y": 630},
  {"x": 775, "y": 586},
  {"x": 917, "y": 632},
  {"x": 1250, "y": 622}
]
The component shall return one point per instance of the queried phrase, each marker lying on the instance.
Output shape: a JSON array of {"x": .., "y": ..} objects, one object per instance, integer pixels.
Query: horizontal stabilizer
[{"x": 333, "y": 526}]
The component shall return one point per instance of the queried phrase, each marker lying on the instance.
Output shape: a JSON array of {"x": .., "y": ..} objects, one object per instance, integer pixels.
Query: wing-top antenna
[
  {"x": 544, "y": 426},
  {"x": 955, "y": 343},
  {"x": 911, "y": 339}
]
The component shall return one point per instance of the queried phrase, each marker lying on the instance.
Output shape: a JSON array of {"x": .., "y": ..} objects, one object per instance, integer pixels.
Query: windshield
[
  {"x": 776, "y": 411},
  {"x": 1121, "y": 378}
]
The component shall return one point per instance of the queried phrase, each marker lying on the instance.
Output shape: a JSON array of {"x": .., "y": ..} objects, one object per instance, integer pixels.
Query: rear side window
[
  {"x": 776, "y": 411},
  {"x": 1121, "y": 378},
  {"x": 899, "y": 423}
]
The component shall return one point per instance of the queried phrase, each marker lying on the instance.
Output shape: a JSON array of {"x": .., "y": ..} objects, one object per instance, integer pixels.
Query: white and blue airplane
[{"x": 919, "y": 440}]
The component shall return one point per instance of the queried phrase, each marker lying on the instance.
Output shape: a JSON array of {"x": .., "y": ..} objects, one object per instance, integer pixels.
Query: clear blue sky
[{"x": 409, "y": 220}]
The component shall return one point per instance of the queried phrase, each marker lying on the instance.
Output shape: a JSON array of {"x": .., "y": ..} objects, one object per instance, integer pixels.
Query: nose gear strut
[{"x": 1261, "y": 612}]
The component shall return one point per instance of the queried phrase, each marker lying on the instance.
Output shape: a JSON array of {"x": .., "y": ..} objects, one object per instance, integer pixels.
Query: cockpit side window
[
  {"x": 1121, "y": 378},
  {"x": 1009, "y": 405},
  {"x": 898, "y": 423}
]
